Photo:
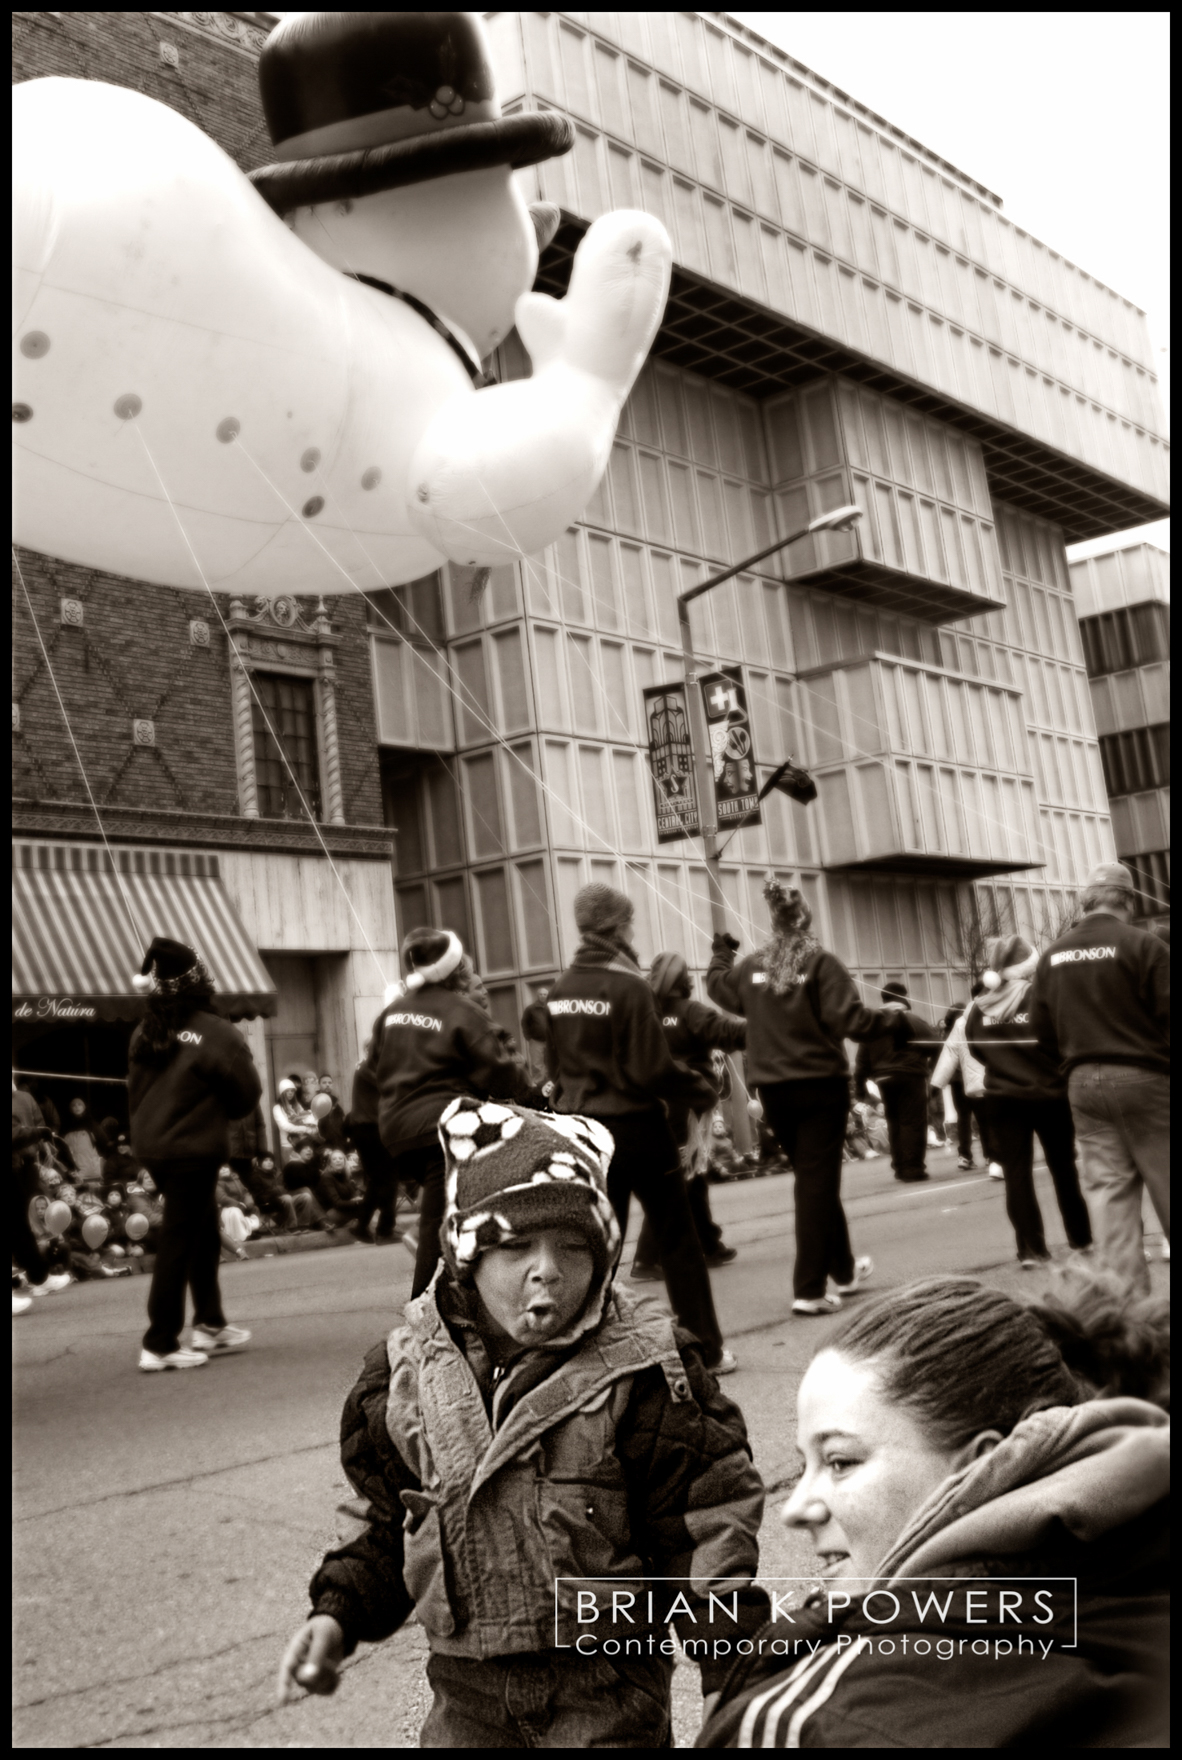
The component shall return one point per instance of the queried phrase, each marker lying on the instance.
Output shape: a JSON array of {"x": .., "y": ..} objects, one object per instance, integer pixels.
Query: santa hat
[
  {"x": 165, "y": 963},
  {"x": 1007, "y": 957},
  {"x": 510, "y": 1171},
  {"x": 432, "y": 955}
]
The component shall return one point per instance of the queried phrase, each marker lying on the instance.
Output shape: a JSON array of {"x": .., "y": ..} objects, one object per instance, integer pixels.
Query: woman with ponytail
[
  {"x": 964, "y": 1454},
  {"x": 800, "y": 1005},
  {"x": 1025, "y": 1096},
  {"x": 189, "y": 1074}
]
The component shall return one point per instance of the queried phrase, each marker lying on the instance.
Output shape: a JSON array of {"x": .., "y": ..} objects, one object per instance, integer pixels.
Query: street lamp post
[{"x": 841, "y": 519}]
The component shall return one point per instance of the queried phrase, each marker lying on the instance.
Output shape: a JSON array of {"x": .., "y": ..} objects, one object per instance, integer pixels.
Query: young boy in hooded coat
[{"x": 530, "y": 1425}]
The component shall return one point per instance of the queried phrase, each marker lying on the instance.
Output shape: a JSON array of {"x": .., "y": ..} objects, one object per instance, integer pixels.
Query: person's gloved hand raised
[{"x": 724, "y": 946}]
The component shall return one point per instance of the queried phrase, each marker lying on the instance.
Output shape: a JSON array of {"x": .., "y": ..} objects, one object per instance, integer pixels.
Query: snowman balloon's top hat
[{"x": 358, "y": 102}]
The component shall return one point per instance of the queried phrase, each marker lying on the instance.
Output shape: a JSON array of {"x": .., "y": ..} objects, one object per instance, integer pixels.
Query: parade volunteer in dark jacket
[
  {"x": 698, "y": 1037},
  {"x": 800, "y": 1005},
  {"x": 431, "y": 1043},
  {"x": 607, "y": 1055},
  {"x": 1101, "y": 1007},
  {"x": 1025, "y": 1096},
  {"x": 986, "y": 1488},
  {"x": 189, "y": 1074},
  {"x": 899, "y": 1069},
  {"x": 381, "y": 1178}
]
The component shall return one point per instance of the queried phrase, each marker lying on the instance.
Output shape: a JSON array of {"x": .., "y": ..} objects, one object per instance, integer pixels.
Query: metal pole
[{"x": 703, "y": 773}]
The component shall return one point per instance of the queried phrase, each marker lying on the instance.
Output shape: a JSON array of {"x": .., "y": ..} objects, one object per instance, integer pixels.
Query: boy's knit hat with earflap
[{"x": 510, "y": 1171}]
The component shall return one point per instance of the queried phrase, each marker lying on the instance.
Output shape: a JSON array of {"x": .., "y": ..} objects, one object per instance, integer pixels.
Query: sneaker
[
  {"x": 726, "y": 1364},
  {"x": 935, "y": 1142},
  {"x": 721, "y": 1256},
  {"x": 218, "y": 1344},
  {"x": 863, "y": 1272},
  {"x": 55, "y": 1281},
  {"x": 996, "y": 1171},
  {"x": 178, "y": 1359},
  {"x": 1035, "y": 1262},
  {"x": 21, "y": 1304},
  {"x": 360, "y": 1233},
  {"x": 965, "y": 1163},
  {"x": 818, "y": 1305},
  {"x": 911, "y": 1179},
  {"x": 646, "y": 1274}
]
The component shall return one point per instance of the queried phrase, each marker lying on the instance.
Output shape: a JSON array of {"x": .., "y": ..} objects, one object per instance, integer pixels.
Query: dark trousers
[
  {"x": 647, "y": 1163},
  {"x": 697, "y": 1190},
  {"x": 905, "y": 1102},
  {"x": 551, "y": 1699},
  {"x": 26, "y": 1183},
  {"x": 809, "y": 1118},
  {"x": 425, "y": 1167},
  {"x": 187, "y": 1253},
  {"x": 964, "y": 1121},
  {"x": 980, "y": 1111},
  {"x": 1013, "y": 1125},
  {"x": 381, "y": 1178}
]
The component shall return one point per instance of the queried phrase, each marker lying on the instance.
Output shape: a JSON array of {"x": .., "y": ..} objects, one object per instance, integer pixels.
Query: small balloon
[
  {"x": 137, "y": 1227},
  {"x": 321, "y": 1106},
  {"x": 135, "y": 1252},
  {"x": 95, "y": 1230},
  {"x": 58, "y": 1217},
  {"x": 117, "y": 1251}
]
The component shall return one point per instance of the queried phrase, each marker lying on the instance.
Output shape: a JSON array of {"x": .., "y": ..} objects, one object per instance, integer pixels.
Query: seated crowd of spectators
[{"x": 88, "y": 1167}]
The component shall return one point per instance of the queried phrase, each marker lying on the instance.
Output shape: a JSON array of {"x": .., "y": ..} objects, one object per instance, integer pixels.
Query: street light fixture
[{"x": 839, "y": 519}]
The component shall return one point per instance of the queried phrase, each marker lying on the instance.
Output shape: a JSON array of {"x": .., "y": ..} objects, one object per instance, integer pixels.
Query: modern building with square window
[
  {"x": 1122, "y": 599},
  {"x": 852, "y": 320}
]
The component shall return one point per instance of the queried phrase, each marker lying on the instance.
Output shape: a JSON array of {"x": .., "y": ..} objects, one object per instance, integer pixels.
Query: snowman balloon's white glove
[{"x": 501, "y": 473}]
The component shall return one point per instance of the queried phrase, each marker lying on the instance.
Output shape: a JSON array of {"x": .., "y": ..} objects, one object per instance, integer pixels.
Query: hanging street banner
[
  {"x": 732, "y": 755},
  {"x": 671, "y": 761}
]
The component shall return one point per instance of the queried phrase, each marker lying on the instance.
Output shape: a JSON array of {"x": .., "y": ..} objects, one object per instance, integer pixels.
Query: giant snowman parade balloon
[{"x": 272, "y": 383}]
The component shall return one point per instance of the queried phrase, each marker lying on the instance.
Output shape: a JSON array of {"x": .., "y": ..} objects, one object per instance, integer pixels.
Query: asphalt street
[{"x": 167, "y": 1525}]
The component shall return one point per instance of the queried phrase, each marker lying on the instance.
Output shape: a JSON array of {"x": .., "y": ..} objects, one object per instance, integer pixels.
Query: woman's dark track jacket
[
  {"x": 799, "y": 1034},
  {"x": 605, "y": 1048},
  {"x": 429, "y": 1046},
  {"x": 183, "y": 1111}
]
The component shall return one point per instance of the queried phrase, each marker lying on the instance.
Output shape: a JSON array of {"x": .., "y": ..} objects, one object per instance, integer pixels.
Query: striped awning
[{"x": 82, "y": 919}]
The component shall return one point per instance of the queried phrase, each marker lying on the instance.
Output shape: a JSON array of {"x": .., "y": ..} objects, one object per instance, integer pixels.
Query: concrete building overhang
[
  {"x": 712, "y": 331},
  {"x": 935, "y": 867}
]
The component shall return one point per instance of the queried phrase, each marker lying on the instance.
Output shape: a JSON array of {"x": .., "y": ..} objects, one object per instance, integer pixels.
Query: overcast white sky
[{"x": 1064, "y": 115}]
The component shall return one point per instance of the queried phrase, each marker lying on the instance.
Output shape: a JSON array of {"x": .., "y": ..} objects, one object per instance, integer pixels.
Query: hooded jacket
[
  {"x": 428, "y": 1046},
  {"x": 610, "y": 1454},
  {"x": 1076, "y": 1492},
  {"x": 797, "y": 1034},
  {"x": 1015, "y": 1066},
  {"x": 183, "y": 1111},
  {"x": 956, "y": 1063},
  {"x": 605, "y": 1048}
]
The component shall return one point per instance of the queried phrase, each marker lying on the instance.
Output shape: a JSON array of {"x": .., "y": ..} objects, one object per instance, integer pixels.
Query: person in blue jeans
[{"x": 1100, "y": 1003}]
